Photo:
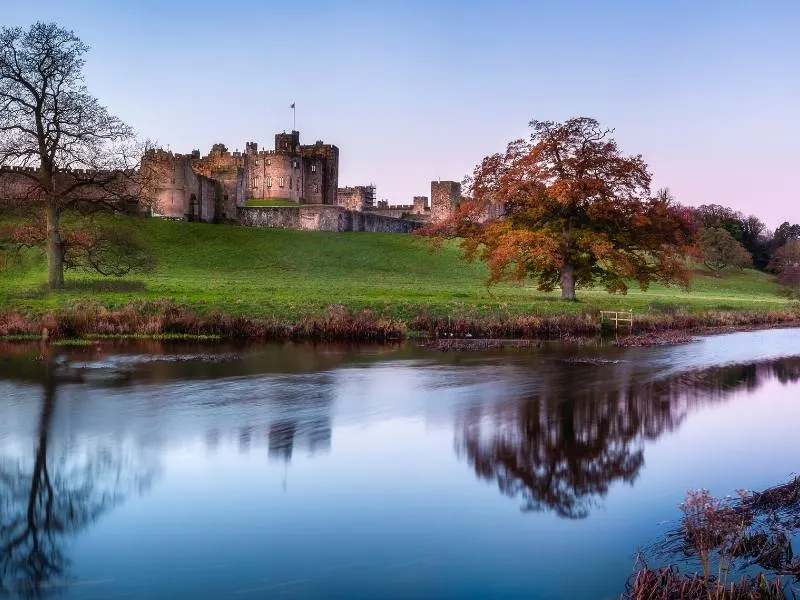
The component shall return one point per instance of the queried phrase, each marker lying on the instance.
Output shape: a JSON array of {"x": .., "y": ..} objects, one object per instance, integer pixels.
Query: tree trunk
[
  {"x": 568, "y": 283},
  {"x": 55, "y": 251}
]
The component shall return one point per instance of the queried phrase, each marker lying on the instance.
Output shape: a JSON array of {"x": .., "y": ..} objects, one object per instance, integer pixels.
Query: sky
[{"x": 417, "y": 90}]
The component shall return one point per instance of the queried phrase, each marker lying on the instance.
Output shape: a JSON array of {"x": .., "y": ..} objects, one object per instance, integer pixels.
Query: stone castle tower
[
  {"x": 445, "y": 196},
  {"x": 308, "y": 174}
]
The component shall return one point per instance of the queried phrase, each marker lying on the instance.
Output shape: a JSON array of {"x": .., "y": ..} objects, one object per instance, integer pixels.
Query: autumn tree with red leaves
[{"x": 576, "y": 212}]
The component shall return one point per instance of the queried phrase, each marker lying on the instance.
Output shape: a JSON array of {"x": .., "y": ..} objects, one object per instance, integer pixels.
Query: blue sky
[{"x": 414, "y": 90}]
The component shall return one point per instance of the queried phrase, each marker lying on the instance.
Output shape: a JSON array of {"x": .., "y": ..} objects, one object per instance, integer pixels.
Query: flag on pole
[{"x": 292, "y": 105}]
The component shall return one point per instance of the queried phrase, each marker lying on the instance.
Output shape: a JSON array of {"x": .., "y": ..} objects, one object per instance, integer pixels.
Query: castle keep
[{"x": 308, "y": 174}]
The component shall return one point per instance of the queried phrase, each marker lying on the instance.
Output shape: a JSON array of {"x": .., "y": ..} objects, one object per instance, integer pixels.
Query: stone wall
[
  {"x": 319, "y": 217},
  {"x": 284, "y": 217},
  {"x": 393, "y": 210},
  {"x": 117, "y": 189}
]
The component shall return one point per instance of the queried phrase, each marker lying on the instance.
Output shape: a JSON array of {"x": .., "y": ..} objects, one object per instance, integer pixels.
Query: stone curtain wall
[
  {"x": 322, "y": 218},
  {"x": 284, "y": 217}
]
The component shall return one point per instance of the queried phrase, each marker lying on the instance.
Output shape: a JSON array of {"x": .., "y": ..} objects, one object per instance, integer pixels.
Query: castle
[
  {"x": 292, "y": 186},
  {"x": 213, "y": 187}
]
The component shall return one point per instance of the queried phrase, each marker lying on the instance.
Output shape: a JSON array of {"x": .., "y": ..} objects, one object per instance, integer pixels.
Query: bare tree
[{"x": 59, "y": 147}]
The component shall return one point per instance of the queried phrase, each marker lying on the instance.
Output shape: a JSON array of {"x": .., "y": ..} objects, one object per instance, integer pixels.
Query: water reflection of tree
[
  {"x": 560, "y": 450},
  {"x": 43, "y": 504}
]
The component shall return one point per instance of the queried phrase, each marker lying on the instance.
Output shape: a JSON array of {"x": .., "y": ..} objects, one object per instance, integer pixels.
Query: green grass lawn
[
  {"x": 270, "y": 202},
  {"x": 286, "y": 274}
]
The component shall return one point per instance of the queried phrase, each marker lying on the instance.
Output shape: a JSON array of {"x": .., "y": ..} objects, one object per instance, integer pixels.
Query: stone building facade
[
  {"x": 178, "y": 191},
  {"x": 120, "y": 190},
  {"x": 307, "y": 174}
]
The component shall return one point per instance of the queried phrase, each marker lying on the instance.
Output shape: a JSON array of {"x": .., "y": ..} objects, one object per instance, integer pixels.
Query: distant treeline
[{"x": 749, "y": 231}]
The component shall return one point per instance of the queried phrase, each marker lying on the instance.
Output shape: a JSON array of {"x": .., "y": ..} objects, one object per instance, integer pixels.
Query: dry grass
[
  {"x": 734, "y": 534},
  {"x": 89, "y": 319},
  {"x": 669, "y": 583},
  {"x": 339, "y": 322}
]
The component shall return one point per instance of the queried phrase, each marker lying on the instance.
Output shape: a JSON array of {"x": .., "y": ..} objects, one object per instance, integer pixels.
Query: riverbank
[{"x": 167, "y": 319}]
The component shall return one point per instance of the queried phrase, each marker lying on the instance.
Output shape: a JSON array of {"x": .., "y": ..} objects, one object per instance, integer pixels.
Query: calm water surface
[{"x": 294, "y": 471}]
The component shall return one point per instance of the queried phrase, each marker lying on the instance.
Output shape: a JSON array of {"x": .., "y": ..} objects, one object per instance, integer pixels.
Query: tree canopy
[
  {"x": 577, "y": 212},
  {"x": 718, "y": 249},
  {"x": 786, "y": 264},
  {"x": 68, "y": 151}
]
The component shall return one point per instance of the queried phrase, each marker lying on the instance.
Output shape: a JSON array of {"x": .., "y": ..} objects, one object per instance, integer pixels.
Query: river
[{"x": 153, "y": 470}]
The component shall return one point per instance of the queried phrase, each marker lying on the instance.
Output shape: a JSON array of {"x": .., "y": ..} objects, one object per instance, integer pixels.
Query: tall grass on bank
[
  {"x": 726, "y": 536},
  {"x": 668, "y": 583},
  {"x": 165, "y": 318},
  {"x": 337, "y": 322}
]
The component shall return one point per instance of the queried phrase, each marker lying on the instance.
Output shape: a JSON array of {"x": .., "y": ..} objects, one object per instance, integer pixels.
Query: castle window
[
  {"x": 294, "y": 164},
  {"x": 316, "y": 188},
  {"x": 269, "y": 162},
  {"x": 280, "y": 181},
  {"x": 256, "y": 162},
  {"x": 269, "y": 181},
  {"x": 313, "y": 168}
]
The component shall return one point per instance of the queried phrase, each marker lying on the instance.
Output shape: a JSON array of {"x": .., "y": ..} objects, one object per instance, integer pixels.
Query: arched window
[
  {"x": 280, "y": 181},
  {"x": 269, "y": 181}
]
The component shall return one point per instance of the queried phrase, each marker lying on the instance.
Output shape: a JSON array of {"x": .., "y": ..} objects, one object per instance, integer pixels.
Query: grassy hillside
[{"x": 287, "y": 274}]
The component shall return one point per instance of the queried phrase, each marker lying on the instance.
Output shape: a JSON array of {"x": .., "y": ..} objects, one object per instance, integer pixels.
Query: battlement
[
  {"x": 384, "y": 204},
  {"x": 34, "y": 170},
  {"x": 17, "y": 169}
]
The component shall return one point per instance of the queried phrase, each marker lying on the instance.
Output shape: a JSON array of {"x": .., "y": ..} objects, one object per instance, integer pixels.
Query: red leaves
[
  {"x": 88, "y": 246},
  {"x": 571, "y": 198}
]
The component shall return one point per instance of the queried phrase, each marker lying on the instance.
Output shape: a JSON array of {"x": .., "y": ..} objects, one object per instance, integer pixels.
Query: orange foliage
[{"x": 577, "y": 212}]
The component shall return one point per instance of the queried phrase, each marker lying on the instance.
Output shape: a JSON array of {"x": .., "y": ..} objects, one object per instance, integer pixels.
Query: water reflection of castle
[{"x": 284, "y": 436}]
